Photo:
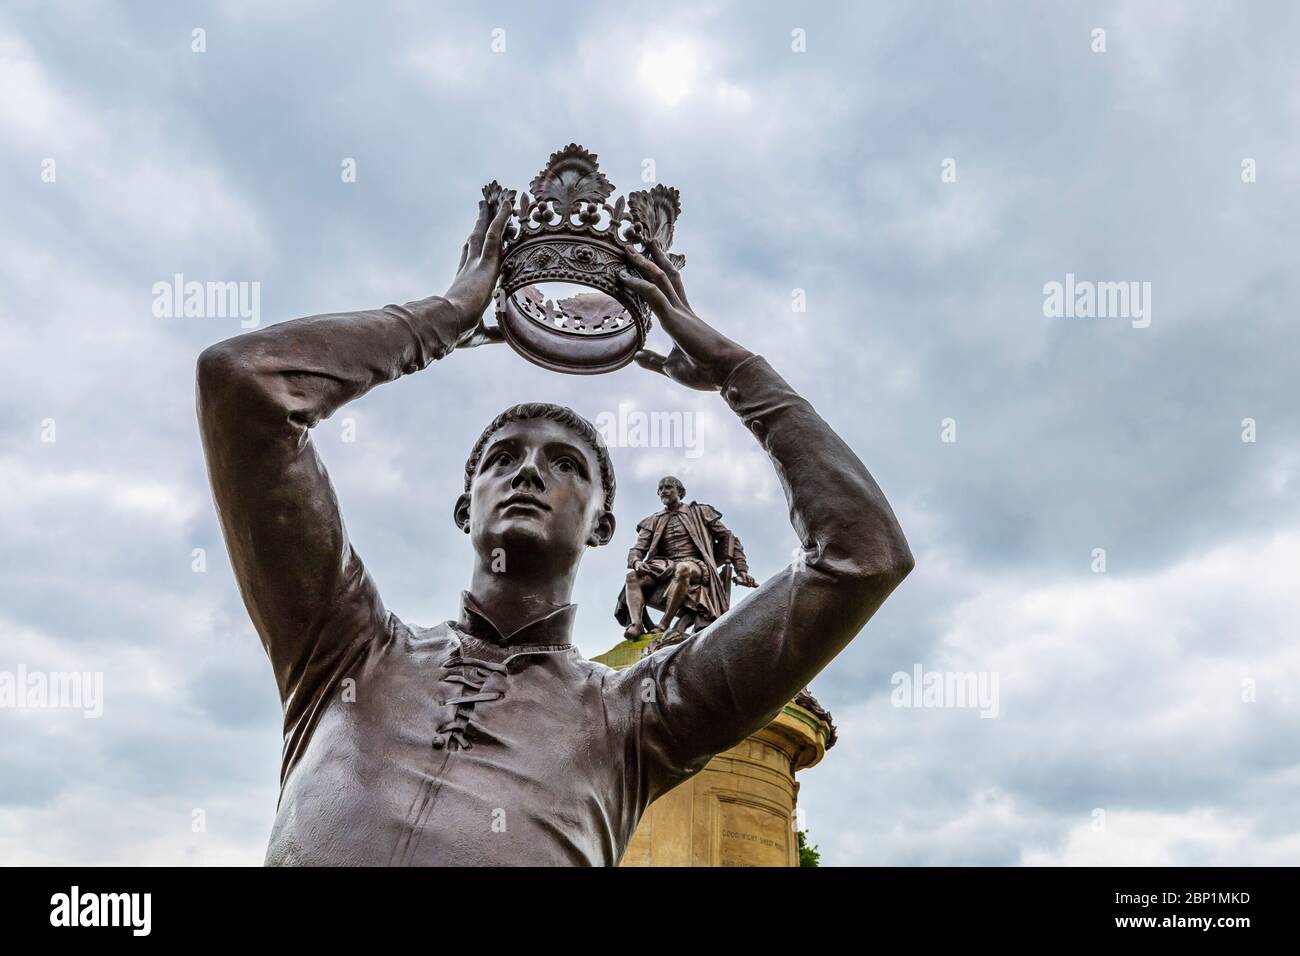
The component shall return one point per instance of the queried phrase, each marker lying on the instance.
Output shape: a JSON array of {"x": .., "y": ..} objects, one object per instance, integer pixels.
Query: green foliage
[{"x": 808, "y": 855}]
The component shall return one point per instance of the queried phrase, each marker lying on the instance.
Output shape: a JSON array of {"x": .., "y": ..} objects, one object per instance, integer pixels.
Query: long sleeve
[
  {"x": 712, "y": 691},
  {"x": 306, "y": 590},
  {"x": 738, "y": 556},
  {"x": 644, "y": 534}
]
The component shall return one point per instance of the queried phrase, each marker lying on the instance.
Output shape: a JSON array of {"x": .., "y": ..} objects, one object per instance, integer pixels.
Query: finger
[
  {"x": 652, "y": 294},
  {"x": 651, "y": 360},
  {"x": 684, "y": 328},
  {"x": 475, "y": 242},
  {"x": 663, "y": 262},
  {"x": 647, "y": 268},
  {"x": 492, "y": 239}
]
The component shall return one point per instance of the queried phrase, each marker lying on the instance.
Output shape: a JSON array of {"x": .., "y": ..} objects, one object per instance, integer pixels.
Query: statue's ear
[
  {"x": 603, "y": 532},
  {"x": 460, "y": 514}
]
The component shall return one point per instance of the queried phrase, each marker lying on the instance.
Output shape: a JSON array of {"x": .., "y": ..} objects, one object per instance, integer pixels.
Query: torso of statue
[
  {"x": 377, "y": 783},
  {"x": 676, "y": 542}
]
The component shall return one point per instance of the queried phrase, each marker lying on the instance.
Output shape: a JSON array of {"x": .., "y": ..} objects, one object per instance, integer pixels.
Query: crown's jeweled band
[{"x": 561, "y": 258}]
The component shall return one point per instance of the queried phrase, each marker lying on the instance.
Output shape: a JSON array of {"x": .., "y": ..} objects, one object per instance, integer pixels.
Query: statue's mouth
[{"x": 522, "y": 500}]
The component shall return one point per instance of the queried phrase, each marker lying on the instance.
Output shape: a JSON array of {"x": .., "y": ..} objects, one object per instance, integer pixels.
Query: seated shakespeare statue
[{"x": 682, "y": 565}]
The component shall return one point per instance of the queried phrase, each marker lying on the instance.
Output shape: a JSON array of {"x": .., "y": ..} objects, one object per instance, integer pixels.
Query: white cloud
[
  {"x": 126, "y": 174},
  {"x": 36, "y": 491},
  {"x": 1201, "y": 837},
  {"x": 1119, "y": 692}
]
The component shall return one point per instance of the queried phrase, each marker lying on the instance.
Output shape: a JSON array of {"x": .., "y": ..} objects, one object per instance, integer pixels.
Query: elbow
[
  {"x": 902, "y": 562},
  {"x": 875, "y": 562},
  {"x": 219, "y": 366},
  {"x": 226, "y": 374},
  {"x": 886, "y": 565}
]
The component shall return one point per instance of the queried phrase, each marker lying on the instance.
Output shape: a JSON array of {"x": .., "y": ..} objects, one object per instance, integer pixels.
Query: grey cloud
[{"x": 817, "y": 171}]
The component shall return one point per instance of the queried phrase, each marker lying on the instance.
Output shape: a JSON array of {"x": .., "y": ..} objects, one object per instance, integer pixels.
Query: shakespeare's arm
[
  {"x": 712, "y": 691},
  {"x": 306, "y": 590},
  {"x": 644, "y": 534}
]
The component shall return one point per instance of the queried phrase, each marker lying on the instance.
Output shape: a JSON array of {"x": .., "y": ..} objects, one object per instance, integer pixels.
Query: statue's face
[
  {"x": 537, "y": 491},
  {"x": 669, "y": 494}
]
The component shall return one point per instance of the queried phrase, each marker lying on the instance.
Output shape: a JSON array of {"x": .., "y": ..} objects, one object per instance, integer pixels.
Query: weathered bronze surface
[{"x": 488, "y": 739}]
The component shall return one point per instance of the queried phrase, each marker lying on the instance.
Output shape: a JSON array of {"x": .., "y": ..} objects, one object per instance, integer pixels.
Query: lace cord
[{"x": 471, "y": 675}]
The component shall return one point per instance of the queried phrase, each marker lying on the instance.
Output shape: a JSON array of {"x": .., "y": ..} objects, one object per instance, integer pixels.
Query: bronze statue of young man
[
  {"x": 674, "y": 567},
  {"x": 489, "y": 739}
]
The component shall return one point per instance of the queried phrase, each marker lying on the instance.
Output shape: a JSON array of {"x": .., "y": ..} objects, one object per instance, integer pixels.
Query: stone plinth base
[{"x": 740, "y": 809}]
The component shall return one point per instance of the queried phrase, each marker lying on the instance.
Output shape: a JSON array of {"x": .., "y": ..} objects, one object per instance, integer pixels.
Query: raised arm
[
  {"x": 713, "y": 691},
  {"x": 306, "y": 590}
]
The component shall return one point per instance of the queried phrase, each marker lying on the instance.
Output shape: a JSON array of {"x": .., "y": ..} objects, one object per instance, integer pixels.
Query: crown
[{"x": 566, "y": 230}]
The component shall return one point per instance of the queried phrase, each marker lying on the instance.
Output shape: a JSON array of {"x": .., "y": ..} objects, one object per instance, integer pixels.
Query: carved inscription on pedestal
[{"x": 751, "y": 834}]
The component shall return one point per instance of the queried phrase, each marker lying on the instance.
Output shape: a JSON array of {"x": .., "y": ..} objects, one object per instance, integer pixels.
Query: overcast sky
[{"x": 1149, "y": 713}]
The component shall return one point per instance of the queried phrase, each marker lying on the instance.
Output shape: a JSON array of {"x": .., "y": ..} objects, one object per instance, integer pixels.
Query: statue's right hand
[{"x": 480, "y": 265}]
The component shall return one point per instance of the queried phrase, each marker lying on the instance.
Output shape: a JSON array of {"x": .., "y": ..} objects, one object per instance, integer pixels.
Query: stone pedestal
[{"x": 740, "y": 809}]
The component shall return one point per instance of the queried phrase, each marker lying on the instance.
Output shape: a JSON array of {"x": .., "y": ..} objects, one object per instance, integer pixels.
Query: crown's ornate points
[
  {"x": 569, "y": 202},
  {"x": 570, "y": 180},
  {"x": 655, "y": 213},
  {"x": 566, "y": 230}
]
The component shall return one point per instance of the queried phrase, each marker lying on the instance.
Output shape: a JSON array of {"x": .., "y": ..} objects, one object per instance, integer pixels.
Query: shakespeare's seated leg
[
  {"x": 640, "y": 585},
  {"x": 683, "y": 586}
]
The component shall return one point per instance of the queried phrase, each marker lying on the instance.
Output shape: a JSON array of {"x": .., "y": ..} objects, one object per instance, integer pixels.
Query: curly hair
[
  {"x": 681, "y": 488},
  {"x": 555, "y": 413}
]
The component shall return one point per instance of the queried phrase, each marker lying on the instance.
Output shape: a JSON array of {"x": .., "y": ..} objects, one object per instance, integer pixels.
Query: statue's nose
[{"x": 528, "y": 476}]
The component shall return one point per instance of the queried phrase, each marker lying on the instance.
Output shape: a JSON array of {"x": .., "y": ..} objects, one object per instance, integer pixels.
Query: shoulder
[
  {"x": 615, "y": 686},
  {"x": 419, "y": 643},
  {"x": 625, "y": 682},
  {"x": 707, "y": 512}
]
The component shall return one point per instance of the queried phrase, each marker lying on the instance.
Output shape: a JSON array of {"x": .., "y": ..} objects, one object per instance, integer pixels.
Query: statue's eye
[
  {"x": 502, "y": 458},
  {"x": 566, "y": 465}
]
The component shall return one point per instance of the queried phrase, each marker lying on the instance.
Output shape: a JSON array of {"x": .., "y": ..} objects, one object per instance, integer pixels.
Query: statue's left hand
[
  {"x": 480, "y": 265},
  {"x": 702, "y": 357},
  {"x": 745, "y": 579}
]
